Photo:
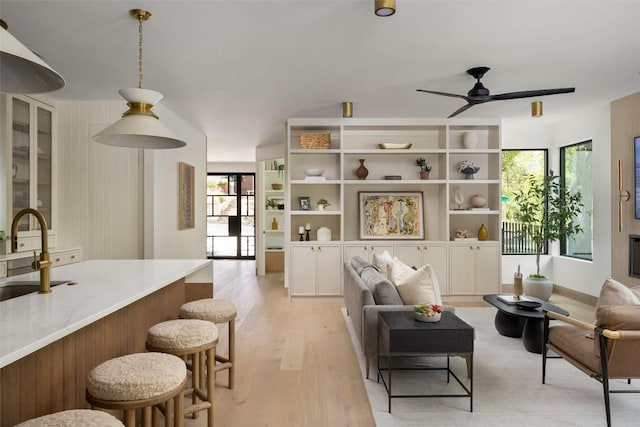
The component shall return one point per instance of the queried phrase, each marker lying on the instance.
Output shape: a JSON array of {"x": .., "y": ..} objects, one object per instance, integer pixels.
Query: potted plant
[
  {"x": 468, "y": 169},
  {"x": 281, "y": 170},
  {"x": 270, "y": 204},
  {"x": 549, "y": 211},
  {"x": 322, "y": 204},
  {"x": 425, "y": 167}
]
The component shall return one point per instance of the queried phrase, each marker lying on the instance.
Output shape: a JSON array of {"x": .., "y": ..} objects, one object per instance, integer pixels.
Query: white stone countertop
[{"x": 32, "y": 321}]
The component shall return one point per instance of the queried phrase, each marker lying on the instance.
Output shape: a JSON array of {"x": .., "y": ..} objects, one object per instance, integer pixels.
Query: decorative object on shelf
[
  {"x": 425, "y": 167},
  {"x": 315, "y": 141},
  {"x": 347, "y": 109},
  {"x": 322, "y": 204},
  {"x": 391, "y": 215},
  {"x": 301, "y": 233},
  {"x": 14, "y": 170},
  {"x": 478, "y": 201},
  {"x": 458, "y": 198},
  {"x": 280, "y": 169},
  {"x": 427, "y": 312},
  {"x": 517, "y": 283},
  {"x": 470, "y": 139},
  {"x": 274, "y": 224},
  {"x": 393, "y": 177},
  {"x": 186, "y": 198},
  {"x": 304, "y": 202},
  {"x": 139, "y": 127},
  {"x": 270, "y": 204},
  {"x": 462, "y": 234},
  {"x": 551, "y": 213},
  {"x": 362, "y": 171},
  {"x": 536, "y": 109},
  {"x": 313, "y": 172},
  {"x": 276, "y": 186},
  {"x": 324, "y": 234},
  {"x": 385, "y": 7},
  {"x": 468, "y": 169},
  {"x": 280, "y": 204},
  {"x": 395, "y": 146},
  {"x": 483, "y": 233},
  {"x": 21, "y": 70},
  {"x": 307, "y": 231}
]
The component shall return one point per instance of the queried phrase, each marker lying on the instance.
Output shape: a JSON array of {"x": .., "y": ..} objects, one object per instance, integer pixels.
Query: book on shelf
[
  {"x": 512, "y": 299},
  {"x": 315, "y": 178}
]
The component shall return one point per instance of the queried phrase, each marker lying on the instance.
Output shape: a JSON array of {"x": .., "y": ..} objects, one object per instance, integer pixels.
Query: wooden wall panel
[
  {"x": 54, "y": 378},
  {"x": 196, "y": 291}
]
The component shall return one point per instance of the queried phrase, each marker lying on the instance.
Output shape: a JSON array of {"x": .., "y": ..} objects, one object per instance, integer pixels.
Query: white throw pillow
[
  {"x": 415, "y": 286},
  {"x": 383, "y": 261}
]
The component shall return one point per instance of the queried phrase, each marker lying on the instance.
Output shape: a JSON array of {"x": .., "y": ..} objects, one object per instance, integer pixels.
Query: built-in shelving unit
[{"x": 443, "y": 143}]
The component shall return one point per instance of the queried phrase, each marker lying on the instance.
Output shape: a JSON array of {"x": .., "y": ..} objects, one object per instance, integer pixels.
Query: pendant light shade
[
  {"x": 21, "y": 70},
  {"x": 139, "y": 127},
  {"x": 385, "y": 7}
]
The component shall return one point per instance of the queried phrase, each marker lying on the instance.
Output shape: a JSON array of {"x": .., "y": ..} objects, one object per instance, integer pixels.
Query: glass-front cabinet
[{"x": 27, "y": 158}]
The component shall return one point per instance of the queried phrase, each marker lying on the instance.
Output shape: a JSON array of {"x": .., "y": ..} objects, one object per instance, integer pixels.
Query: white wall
[
  {"x": 101, "y": 189},
  {"x": 593, "y": 124},
  {"x": 222, "y": 167}
]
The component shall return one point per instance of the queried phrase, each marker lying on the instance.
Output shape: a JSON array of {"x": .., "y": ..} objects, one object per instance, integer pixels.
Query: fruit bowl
[
  {"x": 424, "y": 318},
  {"x": 427, "y": 312},
  {"x": 313, "y": 172}
]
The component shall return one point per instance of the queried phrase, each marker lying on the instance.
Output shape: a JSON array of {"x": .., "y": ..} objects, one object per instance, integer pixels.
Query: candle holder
[
  {"x": 301, "y": 237},
  {"x": 307, "y": 237}
]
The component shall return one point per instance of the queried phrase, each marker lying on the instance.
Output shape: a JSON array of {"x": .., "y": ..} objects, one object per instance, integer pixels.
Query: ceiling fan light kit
[
  {"x": 21, "y": 70},
  {"x": 480, "y": 94},
  {"x": 536, "y": 109},
  {"x": 385, "y": 7},
  {"x": 139, "y": 127}
]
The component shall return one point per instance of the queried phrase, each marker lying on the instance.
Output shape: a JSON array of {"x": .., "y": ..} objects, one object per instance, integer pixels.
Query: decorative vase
[
  {"x": 424, "y": 174},
  {"x": 469, "y": 173},
  {"x": 537, "y": 287},
  {"x": 478, "y": 201},
  {"x": 458, "y": 198},
  {"x": 483, "y": 233},
  {"x": 362, "y": 171},
  {"x": 470, "y": 140},
  {"x": 274, "y": 224}
]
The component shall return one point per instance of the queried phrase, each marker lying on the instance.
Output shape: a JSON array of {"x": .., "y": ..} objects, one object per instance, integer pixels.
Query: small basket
[{"x": 315, "y": 141}]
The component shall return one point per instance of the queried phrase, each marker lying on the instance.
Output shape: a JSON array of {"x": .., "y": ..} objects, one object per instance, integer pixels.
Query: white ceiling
[{"x": 237, "y": 69}]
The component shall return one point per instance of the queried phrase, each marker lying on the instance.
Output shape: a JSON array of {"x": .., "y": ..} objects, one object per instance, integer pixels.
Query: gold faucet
[{"x": 43, "y": 265}]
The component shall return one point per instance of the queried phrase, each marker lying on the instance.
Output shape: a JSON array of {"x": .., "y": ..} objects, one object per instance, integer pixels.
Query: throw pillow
[
  {"x": 383, "y": 261},
  {"x": 415, "y": 286},
  {"x": 615, "y": 293},
  {"x": 359, "y": 264}
]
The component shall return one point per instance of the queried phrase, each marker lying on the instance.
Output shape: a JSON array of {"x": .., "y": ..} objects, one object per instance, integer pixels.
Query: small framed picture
[{"x": 304, "y": 202}]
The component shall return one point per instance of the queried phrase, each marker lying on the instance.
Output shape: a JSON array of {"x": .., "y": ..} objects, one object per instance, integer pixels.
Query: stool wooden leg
[
  {"x": 179, "y": 410},
  {"x": 232, "y": 351},
  {"x": 195, "y": 380},
  {"x": 168, "y": 414},
  {"x": 130, "y": 417},
  {"x": 211, "y": 385},
  {"x": 147, "y": 416}
]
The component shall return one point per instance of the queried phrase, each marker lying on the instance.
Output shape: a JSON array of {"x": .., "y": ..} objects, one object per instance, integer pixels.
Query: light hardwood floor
[{"x": 295, "y": 362}]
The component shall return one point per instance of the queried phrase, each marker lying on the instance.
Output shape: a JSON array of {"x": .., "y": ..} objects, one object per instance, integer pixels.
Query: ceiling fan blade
[
  {"x": 442, "y": 93},
  {"x": 532, "y": 93},
  {"x": 460, "y": 110}
]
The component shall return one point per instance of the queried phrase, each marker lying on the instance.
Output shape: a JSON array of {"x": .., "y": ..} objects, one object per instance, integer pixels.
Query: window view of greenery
[
  {"x": 517, "y": 165},
  {"x": 576, "y": 175}
]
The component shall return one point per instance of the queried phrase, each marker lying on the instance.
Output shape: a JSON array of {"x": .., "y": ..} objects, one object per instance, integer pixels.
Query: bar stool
[
  {"x": 73, "y": 418},
  {"x": 197, "y": 340},
  {"x": 218, "y": 311},
  {"x": 140, "y": 381}
]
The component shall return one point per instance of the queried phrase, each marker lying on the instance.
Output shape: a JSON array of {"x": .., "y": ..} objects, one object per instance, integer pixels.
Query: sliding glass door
[{"x": 231, "y": 215}]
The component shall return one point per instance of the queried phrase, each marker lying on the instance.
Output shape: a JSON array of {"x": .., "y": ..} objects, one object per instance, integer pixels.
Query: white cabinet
[
  {"x": 474, "y": 268},
  {"x": 365, "y": 250},
  {"x": 315, "y": 269},
  {"x": 3, "y": 269},
  {"x": 27, "y": 154},
  {"x": 421, "y": 253},
  {"x": 69, "y": 256}
]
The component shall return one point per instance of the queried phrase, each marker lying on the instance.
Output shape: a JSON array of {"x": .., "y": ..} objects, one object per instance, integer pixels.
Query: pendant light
[
  {"x": 139, "y": 127},
  {"x": 385, "y": 7},
  {"x": 536, "y": 109},
  {"x": 21, "y": 70}
]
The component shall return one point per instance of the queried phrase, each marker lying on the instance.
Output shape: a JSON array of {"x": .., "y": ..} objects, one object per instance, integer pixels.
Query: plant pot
[
  {"x": 424, "y": 174},
  {"x": 276, "y": 186},
  {"x": 537, "y": 287}
]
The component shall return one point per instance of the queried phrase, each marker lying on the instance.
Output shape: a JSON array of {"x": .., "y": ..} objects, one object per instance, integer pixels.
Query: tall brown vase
[{"x": 362, "y": 171}]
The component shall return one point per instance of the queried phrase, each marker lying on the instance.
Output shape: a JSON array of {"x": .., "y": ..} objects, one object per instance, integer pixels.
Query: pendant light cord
[{"x": 140, "y": 19}]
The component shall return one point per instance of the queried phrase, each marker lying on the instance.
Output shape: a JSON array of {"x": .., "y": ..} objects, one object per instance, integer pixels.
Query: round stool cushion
[
  {"x": 181, "y": 334},
  {"x": 74, "y": 418},
  {"x": 212, "y": 309},
  {"x": 136, "y": 376}
]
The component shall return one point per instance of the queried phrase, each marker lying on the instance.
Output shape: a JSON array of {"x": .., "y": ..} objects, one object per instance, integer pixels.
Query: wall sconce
[
  {"x": 385, "y": 7},
  {"x": 347, "y": 109},
  {"x": 536, "y": 109}
]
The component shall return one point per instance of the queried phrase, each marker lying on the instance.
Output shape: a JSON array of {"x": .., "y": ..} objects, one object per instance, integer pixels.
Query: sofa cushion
[
  {"x": 383, "y": 261},
  {"x": 618, "y": 317},
  {"x": 383, "y": 291},
  {"x": 573, "y": 341},
  {"x": 359, "y": 264},
  {"x": 415, "y": 286},
  {"x": 615, "y": 293}
]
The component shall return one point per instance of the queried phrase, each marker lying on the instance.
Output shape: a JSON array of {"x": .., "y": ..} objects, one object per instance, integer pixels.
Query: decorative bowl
[
  {"x": 394, "y": 146},
  {"x": 424, "y": 318},
  {"x": 276, "y": 186},
  {"x": 313, "y": 172},
  {"x": 528, "y": 305}
]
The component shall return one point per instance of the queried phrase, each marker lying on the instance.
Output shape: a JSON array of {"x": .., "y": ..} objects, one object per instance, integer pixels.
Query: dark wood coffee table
[
  {"x": 514, "y": 322},
  {"x": 400, "y": 335}
]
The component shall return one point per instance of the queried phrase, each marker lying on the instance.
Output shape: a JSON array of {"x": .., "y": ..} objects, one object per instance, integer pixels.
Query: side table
[{"x": 400, "y": 335}]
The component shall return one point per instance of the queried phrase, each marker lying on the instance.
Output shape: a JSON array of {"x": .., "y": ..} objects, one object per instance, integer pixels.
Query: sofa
[{"x": 367, "y": 291}]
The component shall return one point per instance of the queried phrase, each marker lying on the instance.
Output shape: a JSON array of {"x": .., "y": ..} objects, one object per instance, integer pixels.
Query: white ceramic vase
[
  {"x": 539, "y": 288},
  {"x": 470, "y": 139},
  {"x": 478, "y": 201}
]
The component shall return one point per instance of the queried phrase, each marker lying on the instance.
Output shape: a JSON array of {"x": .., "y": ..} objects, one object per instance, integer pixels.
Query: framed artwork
[
  {"x": 186, "y": 177},
  {"x": 304, "y": 203},
  {"x": 636, "y": 172},
  {"x": 391, "y": 215}
]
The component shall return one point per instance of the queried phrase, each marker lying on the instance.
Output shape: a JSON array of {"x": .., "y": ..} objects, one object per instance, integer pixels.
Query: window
[
  {"x": 576, "y": 175},
  {"x": 516, "y": 166}
]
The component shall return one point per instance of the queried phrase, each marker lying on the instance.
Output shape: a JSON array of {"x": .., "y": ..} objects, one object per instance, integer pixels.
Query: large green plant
[{"x": 549, "y": 211}]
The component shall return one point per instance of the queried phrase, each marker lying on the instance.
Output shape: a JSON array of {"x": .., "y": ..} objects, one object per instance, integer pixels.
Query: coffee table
[
  {"x": 511, "y": 321},
  {"x": 400, "y": 335}
]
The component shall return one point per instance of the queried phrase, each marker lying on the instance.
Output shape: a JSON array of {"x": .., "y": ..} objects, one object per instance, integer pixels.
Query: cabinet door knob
[
  {"x": 426, "y": 248},
  {"x": 57, "y": 259},
  {"x": 73, "y": 257}
]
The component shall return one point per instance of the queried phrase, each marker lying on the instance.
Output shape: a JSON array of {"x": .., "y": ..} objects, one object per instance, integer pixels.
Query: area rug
[{"x": 507, "y": 388}]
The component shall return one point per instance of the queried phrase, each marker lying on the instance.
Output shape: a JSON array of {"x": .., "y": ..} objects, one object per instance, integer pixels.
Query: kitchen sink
[{"x": 18, "y": 288}]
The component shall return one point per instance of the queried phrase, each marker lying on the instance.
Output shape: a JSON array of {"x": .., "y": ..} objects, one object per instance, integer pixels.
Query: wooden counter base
[{"x": 54, "y": 378}]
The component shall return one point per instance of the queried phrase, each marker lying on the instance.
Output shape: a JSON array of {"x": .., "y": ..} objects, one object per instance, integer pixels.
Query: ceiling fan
[{"x": 480, "y": 94}]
